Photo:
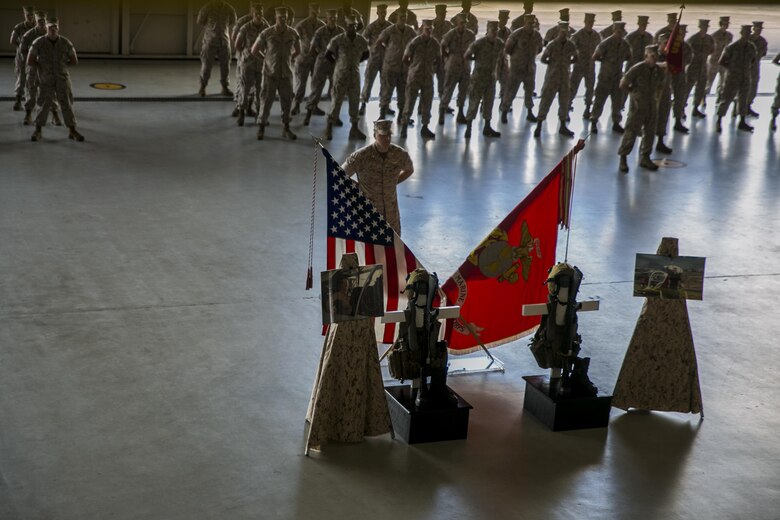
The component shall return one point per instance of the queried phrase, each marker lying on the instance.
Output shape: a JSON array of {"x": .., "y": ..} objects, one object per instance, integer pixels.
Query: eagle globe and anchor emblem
[{"x": 497, "y": 258}]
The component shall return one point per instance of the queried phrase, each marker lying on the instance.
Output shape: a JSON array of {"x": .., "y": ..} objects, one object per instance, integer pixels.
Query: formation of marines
[
  {"x": 43, "y": 58},
  {"x": 415, "y": 58}
]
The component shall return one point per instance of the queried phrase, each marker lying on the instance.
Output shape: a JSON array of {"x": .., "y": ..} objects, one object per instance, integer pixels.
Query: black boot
[
  {"x": 564, "y": 130},
  {"x": 18, "y": 104},
  {"x": 697, "y": 113},
  {"x": 287, "y": 133},
  {"x": 27, "y": 117},
  {"x": 594, "y": 127},
  {"x": 296, "y": 109},
  {"x": 73, "y": 134},
  {"x": 504, "y": 118},
  {"x": 661, "y": 147},
  {"x": 773, "y": 123},
  {"x": 646, "y": 162},
  {"x": 461, "y": 119},
  {"x": 744, "y": 126},
  {"x": 260, "y": 131},
  {"x": 530, "y": 117},
  {"x": 538, "y": 130},
  {"x": 679, "y": 127},
  {"x": 240, "y": 121},
  {"x": 425, "y": 133},
  {"x": 37, "y": 135},
  {"x": 355, "y": 133},
  {"x": 382, "y": 113},
  {"x": 467, "y": 135},
  {"x": 617, "y": 128},
  {"x": 623, "y": 167},
  {"x": 441, "y": 116},
  {"x": 752, "y": 113},
  {"x": 489, "y": 132},
  {"x": 235, "y": 111},
  {"x": 307, "y": 118}
]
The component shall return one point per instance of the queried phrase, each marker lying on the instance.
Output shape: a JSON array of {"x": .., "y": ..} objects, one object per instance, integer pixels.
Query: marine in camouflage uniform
[
  {"x": 457, "y": 69},
  {"x": 422, "y": 56},
  {"x": 722, "y": 38},
  {"x": 472, "y": 23},
  {"x": 20, "y": 59},
  {"x": 411, "y": 17},
  {"x": 51, "y": 56},
  {"x": 617, "y": 16},
  {"x": 32, "y": 76},
  {"x": 702, "y": 45},
  {"x": 665, "y": 31},
  {"x": 552, "y": 32},
  {"x": 776, "y": 103},
  {"x": 522, "y": 46},
  {"x": 345, "y": 12},
  {"x": 441, "y": 26},
  {"x": 612, "y": 53},
  {"x": 680, "y": 84},
  {"x": 761, "y": 50},
  {"x": 559, "y": 55},
  {"x": 528, "y": 10},
  {"x": 643, "y": 82},
  {"x": 486, "y": 53},
  {"x": 304, "y": 63},
  {"x": 216, "y": 17},
  {"x": 347, "y": 50},
  {"x": 738, "y": 59},
  {"x": 585, "y": 40},
  {"x": 279, "y": 45},
  {"x": 254, "y": 8},
  {"x": 251, "y": 65},
  {"x": 323, "y": 67},
  {"x": 664, "y": 97},
  {"x": 504, "y": 32},
  {"x": 381, "y": 167},
  {"x": 394, "y": 40},
  {"x": 376, "y": 53}
]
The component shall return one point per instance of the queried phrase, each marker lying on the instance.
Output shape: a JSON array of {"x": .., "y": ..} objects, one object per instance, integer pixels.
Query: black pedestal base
[
  {"x": 415, "y": 426},
  {"x": 564, "y": 413}
]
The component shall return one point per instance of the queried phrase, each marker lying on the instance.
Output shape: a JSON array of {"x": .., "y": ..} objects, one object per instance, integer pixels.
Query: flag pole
[
  {"x": 310, "y": 269},
  {"x": 577, "y": 148}
]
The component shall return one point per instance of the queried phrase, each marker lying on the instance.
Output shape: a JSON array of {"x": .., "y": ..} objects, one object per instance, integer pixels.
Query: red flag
[
  {"x": 355, "y": 226},
  {"x": 509, "y": 267},
  {"x": 674, "y": 49}
]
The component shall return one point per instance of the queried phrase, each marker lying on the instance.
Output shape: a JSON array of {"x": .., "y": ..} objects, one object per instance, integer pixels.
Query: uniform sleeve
[
  {"x": 406, "y": 161},
  {"x": 34, "y": 50},
  {"x": 349, "y": 165},
  {"x": 333, "y": 45}
]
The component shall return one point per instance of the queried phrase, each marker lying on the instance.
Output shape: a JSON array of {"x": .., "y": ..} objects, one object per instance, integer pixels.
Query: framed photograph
[
  {"x": 677, "y": 278},
  {"x": 352, "y": 294}
]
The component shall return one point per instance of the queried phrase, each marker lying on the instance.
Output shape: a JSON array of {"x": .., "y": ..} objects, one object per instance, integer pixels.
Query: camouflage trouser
[
  {"x": 208, "y": 54},
  {"x": 680, "y": 91},
  {"x": 528, "y": 79},
  {"x": 776, "y": 103},
  {"x": 639, "y": 122},
  {"x": 20, "y": 67},
  {"x": 608, "y": 87},
  {"x": 712, "y": 71},
  {"x": 425, "y": 87},
  {"x": 272, "y": 85},
  {"x": 373, "y": 67},
  {"x": 392, "y": 80},
  {"x": 440, "y": 79},
  {"x": 549, "y": 90},
  {"x": 734, "y": 86},
  {"x": 754, "y": 78},
  {"x": 696, "y": 76},
  {"x": 588, "y": 73},
  {"x": 304, "y": 65},
  {"x": 456, "y": 78},
  {"x": 250, "y": 85},
  {"x": 349, "y": 86},
  {"x": 239, "y": 72},
  {"x": 481, "y": 90},
  {"x": 50, "y": 93},
  {"x": 323, "y": 70},
  {"x": 664, "y": 109}
]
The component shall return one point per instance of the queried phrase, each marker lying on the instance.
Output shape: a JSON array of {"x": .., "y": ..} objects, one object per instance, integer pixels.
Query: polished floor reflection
[{"x": 157, "y": 348}]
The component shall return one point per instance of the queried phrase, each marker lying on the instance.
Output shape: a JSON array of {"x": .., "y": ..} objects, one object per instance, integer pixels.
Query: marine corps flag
[
  {"x": 509, "y": 267},
  {"x": 674, "y": 48}
]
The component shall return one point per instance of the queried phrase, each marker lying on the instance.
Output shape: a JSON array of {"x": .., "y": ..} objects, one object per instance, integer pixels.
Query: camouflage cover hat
[
  {"x": 52, "y": 21},
  {"x": 383, "y": 126},
  {"x": 643, "y": 19},
  {"x": 503, "y": 13},
  {"x": 704, "y": 23},
  {"x": 40, "y": 15},
  {"x": 28, "y": 9},
  {"x": 257, "y": 6},
  {"x": 671, "y": 17},
  {"x": 758, "y": 25},
  {"x": 333, "y": 12},
  {"x": 350, "y": 20},
  {"x": 619, "y": 25},
  {"x": 441, "y": 8},
  {"x": 617, "y": 15},
  {"x": 492, "y": 24},
  {"x": 590, "y": 17},
  {"x": 683, "y": 27},
  {"x": 724, "y": 19},
  {"x": 314, "y": 7},
  {"x": 427, "y": 22},
  {"x": 747, "y": 28},
  {"x": 564, "y": 11}
]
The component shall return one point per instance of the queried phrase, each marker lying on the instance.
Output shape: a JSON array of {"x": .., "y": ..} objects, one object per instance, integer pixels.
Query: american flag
[{"x": 355, "y": 226}]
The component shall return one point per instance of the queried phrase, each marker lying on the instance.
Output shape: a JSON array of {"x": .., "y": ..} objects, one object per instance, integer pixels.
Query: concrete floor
[{"x": 157, "y": 348}]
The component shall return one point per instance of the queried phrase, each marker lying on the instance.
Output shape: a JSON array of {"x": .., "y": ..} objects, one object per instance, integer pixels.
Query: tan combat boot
[
  {"x": 287, "y": 133},
  {"x": 27, "y": 117},
  {"x": 37, "y": 135}
]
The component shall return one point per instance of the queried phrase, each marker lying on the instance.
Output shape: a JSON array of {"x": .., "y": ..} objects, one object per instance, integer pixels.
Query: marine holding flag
[{"x": 508, "y": 268}]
